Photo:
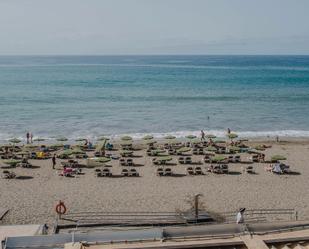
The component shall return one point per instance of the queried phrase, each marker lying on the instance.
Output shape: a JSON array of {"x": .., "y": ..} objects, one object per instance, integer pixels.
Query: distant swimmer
[{"x": 28, "y": 136}]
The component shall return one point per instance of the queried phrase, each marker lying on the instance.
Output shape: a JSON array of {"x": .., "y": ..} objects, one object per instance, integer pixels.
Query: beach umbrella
[
  {"x": 22, "y": 153},
  {"x": 232, "y": 135},
  {"x": 102, "y": 159},
  {"x": 126, "y": 142},
  {"x": 62, "y": 139},
  {"x": 219, "y": 141},
  {"x": 218, "y": 158},
  {"x": 80, "y": 139},
  {"x": 183, "y": 149},
  {"x": 190, "y": 136},
  {"x": 67, "y": 152},
  {"x": 210, "y": 136},
  {"x": 148, "y": 137},
  {"x": 259, "y": 147},
  {"x": 38, "y": 139},
  {"x": 151, "y": 141},
  {"x": 11, "y": 162},
  {"x": 30, "y": 146},
  {"x": 78, "y": 151},
  {"x": 164, "y": 158},
  {"x": 276, "y": 158},
  {"x": 195, "y": 141},
  {"x": 234, "y": 148},
  {"x": 169, "y": 137},
  {"x": 56, "y": 146},
  {"x": 126, "y": 138},
  {"x": 254, "y": 151},
  {"x": 15, "y": 140},
  {"x": 211, "y": 148},
  {"x": 173, "y": 141},
  {"x": 103, "y": 138}
]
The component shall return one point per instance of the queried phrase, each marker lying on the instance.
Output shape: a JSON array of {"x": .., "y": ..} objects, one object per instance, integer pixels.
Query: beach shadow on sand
[
  {"x": 234, "y": 173},
  {"x": 24, "y": 177},
  {"x": 294, "y": 173}
]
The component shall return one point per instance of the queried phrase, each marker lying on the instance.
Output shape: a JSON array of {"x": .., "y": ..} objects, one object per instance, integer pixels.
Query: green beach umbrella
[
  {"x": 30, "y": 146},
  {"x": 232, "y": 135},
  {"x": 190, "y": 136},
  {"x": 67, "y": 152},
  {"x": 80, "y": 139},
  {"x": 56, "y": 146},
  {"x": 219, "y": 141},
  {"x": 78, "y": 151},
  {"x": 62, "y": 139},
  {"x": 218, "y": 158},
  {"x": 195, "y": 141},
  {"x": 126, "y": 142},
  {"x": 259, "y": 147},
  {"x": 148, "y": 137},
  {"x": 164, "y": 158},
  {"x": 169, "y": 137},
  {"x": 254, "y": 151},
  {"x": 210, "y": 136},
  {"x": 151, "y": 141},
  {"x": 183, "y": 149},
  {"x": 22, "y": 153},
  {"x": 38, "y": 139},
  {"x": 173, "y": 141},
  {"x": 11, "y": 162},
  {"x": 126, "y": 138},
  {"x": 103, "y": 138},
  {"x": 276, "y": 158},
  {"x": 234, "y": 148},
  {"x": 102, "y": 159},
  {"x": 211, "y": 148},
  {"x": 15, "y": 140}
]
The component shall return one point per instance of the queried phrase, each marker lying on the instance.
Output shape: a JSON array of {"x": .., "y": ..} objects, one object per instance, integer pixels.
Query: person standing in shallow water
[
  {"x": 54, "y": 161},
  {"x": 28, "y": 136},
  {"x": 202, "y": 135}
]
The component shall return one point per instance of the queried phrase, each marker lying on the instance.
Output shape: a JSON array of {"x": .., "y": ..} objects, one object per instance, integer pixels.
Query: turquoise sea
[{"x": 88, "y": 96}]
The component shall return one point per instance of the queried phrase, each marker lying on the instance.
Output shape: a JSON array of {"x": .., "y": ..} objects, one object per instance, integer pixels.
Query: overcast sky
[{"x": 154, "y": 27}]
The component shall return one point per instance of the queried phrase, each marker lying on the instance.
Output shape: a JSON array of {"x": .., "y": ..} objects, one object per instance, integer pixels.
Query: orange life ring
[{"x": 61, "y": 208}]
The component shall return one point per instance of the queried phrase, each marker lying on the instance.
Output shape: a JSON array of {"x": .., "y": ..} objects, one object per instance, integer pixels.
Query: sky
[{"x": 106, "y": 27}]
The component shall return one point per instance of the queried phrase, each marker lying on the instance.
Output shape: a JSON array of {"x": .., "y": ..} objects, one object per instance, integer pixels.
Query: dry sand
[{"x": 33, "y": 200}]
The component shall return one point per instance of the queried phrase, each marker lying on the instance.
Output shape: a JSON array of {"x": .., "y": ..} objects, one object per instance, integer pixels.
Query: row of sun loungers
[
  {"x": 124, "y": 172},
  {"x": 126, "y": 162}
]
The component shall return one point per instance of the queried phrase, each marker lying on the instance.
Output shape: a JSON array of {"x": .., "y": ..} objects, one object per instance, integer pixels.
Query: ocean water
[{"x": 88, "y": 96}]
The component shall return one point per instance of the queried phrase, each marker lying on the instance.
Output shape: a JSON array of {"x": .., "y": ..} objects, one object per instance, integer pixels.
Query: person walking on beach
[
  {"x": 228, "y": 131},
  {"x": 240, "y": 216},
  {"x": 54, "y": 161},
  {"x": 202, "y": 135},
  {"x": 28, "y": 136}
]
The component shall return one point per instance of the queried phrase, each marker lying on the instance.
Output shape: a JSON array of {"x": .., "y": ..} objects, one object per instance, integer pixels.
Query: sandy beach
[{"x": 33, "y": 199}]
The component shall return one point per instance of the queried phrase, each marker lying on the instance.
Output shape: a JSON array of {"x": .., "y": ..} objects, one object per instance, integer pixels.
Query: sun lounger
[
  {"x": 8, "y": 174},
  {"x": 154, "y": 161},
  {"x": 130, "y": 162},
  {"x": 98, "y": 172},
  {"x": 124, "y": 172},
  {"x": 122, "y": 162},
  {"x": 171, "y": 151},
  {"x": 188, "y": 160},
  {"x": 237, "y": 159},
  {"x": 190, "y": 171},
  {"x": 224, "y": 168},
  {"x": 106, "y": 172},
  {"x": 181, "y": 160},
  {"x": 167, "y": 172},
  {"x": 249, "y": 170},
  {"x": 195, "y": 151},
  {"x": 198, "y": 171},
  {"x": 160, "y": 172},
  {"x": 133, "y": 172},
  {"x": 207, "y": 159}
]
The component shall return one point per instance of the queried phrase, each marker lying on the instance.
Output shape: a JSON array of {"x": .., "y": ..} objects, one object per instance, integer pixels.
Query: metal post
[{"x": 196, "y": 200}]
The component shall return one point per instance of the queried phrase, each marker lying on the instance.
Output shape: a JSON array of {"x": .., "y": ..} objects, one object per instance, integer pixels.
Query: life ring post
[{"x": 60, "y": 209}]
